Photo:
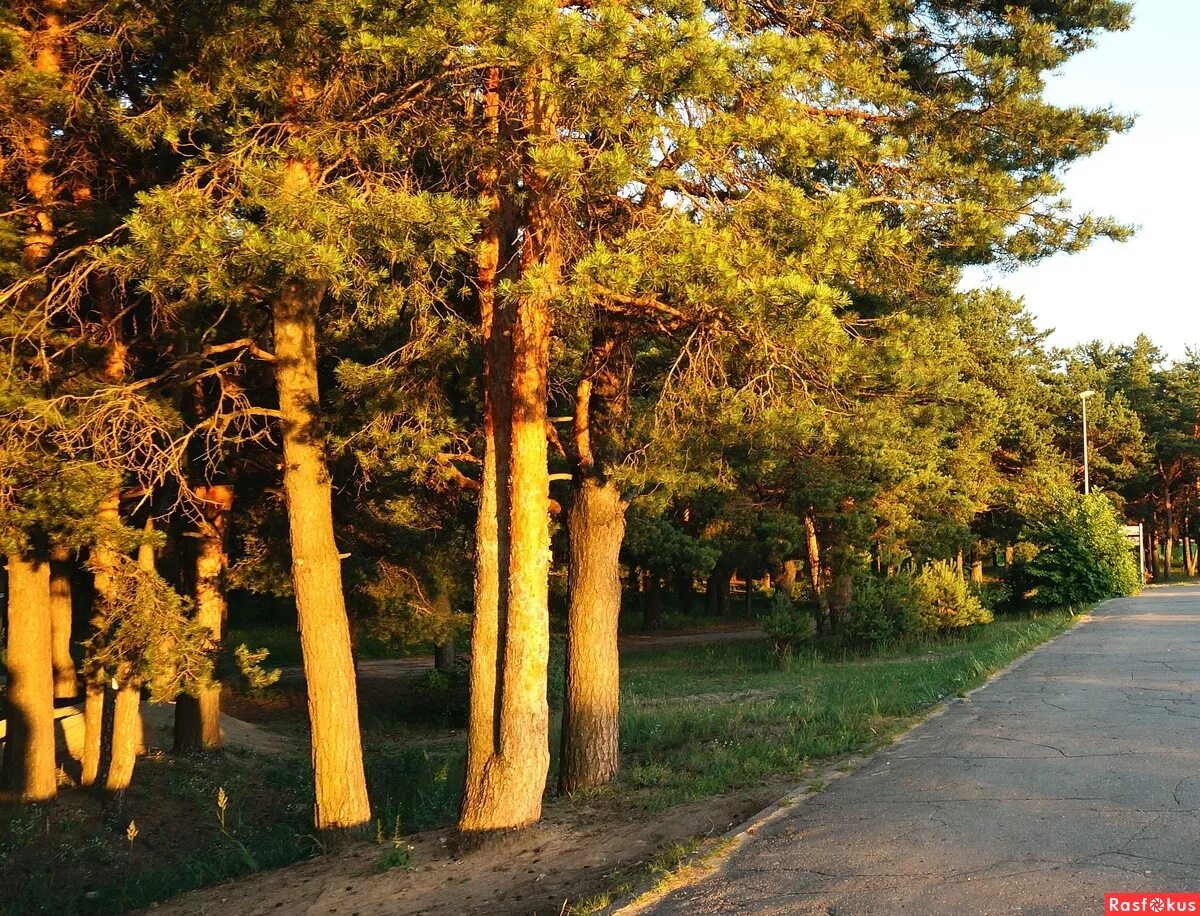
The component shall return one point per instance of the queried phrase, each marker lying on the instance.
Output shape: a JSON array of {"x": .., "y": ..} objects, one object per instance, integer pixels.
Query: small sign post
[{"x": 1136, "y": 537}]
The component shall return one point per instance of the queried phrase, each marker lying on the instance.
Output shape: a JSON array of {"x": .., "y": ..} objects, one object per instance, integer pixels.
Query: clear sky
[{"x": 1149, "y": 176}]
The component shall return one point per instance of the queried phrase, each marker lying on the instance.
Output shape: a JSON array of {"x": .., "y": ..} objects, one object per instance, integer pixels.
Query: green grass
[{"x": 705, "y": 720}]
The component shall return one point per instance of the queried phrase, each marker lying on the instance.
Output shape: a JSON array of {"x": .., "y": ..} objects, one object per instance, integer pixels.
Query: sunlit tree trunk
[
  {"x": 340, "y": 780},
  {"x": 66, "y": 681},
  {"x": 816, "y": 576},
  {"x": 508, "y": 736},
  {"x": 29, "y": 771},
  {"x": 198, "y": 718}
]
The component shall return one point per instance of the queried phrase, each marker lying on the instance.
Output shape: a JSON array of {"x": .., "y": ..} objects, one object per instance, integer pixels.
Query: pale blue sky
[{"x": 1149, "y": 176}]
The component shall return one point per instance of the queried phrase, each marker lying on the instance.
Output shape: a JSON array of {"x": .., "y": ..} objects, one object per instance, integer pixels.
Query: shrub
[
  {"x": 789, "y": 624},
  {"x": 883, "y": 609},
  {"x": 1082, "y": 554},
  {"x": 946, "y": 601},
  {"x": 994, "y": 596}
]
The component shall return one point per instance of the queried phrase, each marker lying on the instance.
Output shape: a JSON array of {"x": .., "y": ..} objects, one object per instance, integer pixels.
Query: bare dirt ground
[
  {"x": 574, "y": 853},
  {"x": 579, "y": 850}
]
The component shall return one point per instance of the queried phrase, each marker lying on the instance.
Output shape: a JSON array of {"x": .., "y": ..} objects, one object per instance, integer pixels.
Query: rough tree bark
[
  {"x": 66, "y": 681},
  {"x": 508, "y": 754},
  {"x": 198, "y": 718},
  {"x": 816, "y": 577},
  {"x": 592, "y": 702},
  {"x": 29, "y": 771},
  {"x": 340, "y": 781}
]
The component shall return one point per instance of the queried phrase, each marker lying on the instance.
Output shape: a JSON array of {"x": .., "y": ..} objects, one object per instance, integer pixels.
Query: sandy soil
[{"x": 573, "y": 854}]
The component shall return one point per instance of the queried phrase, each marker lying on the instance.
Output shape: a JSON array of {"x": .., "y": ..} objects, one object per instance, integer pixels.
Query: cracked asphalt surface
[{"x": 1074, "y": 773}]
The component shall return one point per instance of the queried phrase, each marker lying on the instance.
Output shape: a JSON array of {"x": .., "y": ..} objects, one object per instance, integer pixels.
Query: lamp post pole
[{"x": 1087, "y": 484}]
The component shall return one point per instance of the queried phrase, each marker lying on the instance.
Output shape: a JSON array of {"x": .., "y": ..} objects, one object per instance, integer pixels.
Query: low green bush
[
  {"x": 994, "y": 596},
  {"x": 1082, "y": 555},
  {"x": 946, "y": 601},
  {"x": 883, "y": 610},
  {"x": 790, "y": 624}
]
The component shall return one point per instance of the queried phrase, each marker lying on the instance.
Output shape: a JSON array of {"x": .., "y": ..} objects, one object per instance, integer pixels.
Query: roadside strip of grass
[
  {"x": 697, "y": 722},
  {"x": 704, "y": 720}
]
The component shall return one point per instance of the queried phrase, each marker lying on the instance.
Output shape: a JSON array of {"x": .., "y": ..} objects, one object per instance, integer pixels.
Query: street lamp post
[{"x": 1087, "y": 484}]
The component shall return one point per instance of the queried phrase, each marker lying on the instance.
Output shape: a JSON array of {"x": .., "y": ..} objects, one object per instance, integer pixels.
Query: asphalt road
[{"x": 1074, "y": 773}]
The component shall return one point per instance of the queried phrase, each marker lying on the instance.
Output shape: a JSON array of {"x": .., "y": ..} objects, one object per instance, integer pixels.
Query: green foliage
[
  {"x": 402, "y": 613},
  {"x": 1082, "y": 556},
  {"x": 249, "y": 664},
  {"x": 883, "y": 609},
  {"x": 946, "y": 601},
  {"x": 144, "y": 635},
  {"x": 994, "y": 596},
  {"x": 788, "y": 623}
]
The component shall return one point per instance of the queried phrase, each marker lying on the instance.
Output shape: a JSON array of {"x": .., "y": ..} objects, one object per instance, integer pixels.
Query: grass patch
[
  {"x": 705, "y": 720},
  {"x": 655, "y": 872}
]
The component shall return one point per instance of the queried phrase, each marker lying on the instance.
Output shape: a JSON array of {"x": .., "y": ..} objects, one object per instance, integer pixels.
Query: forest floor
[{"x": 711, "y": 733}]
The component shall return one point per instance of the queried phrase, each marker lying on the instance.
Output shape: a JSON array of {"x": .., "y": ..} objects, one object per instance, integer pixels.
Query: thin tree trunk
[
  {"x": 96, "y": 692},
  {"x": 815, "y": 577},
  {"x": 652, "y": 608},
  {"x": 93, "y": 732},
  {"x": 1155, "y": 566},
  {"x": 66, "y": 682},
  {"x": 1008, "y": 556},
  {"x": 444, "y": 657},
  {"x": 198, "y": 717},
  {"x": 339, "y": 777},
  {"x": 977, "y": 565},
  {"x": 29, "y": 771},
  {"x": 685, "y": 593},
  {"x": 126, "y": 738},
  {"x": 591, "y": 708}
]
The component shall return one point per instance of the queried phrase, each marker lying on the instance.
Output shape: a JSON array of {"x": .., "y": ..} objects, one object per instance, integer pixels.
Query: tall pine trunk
[
  {"x": 508, "y": 754},
  {"x": 66, "y": 682},
  {"x": 340, "y": 780},
  {"x": 198, "y": 718},
  {"x": 104, "y": 559},
  {"x": 29, "y": 771},
  {"x": 592, "y": 703}
]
